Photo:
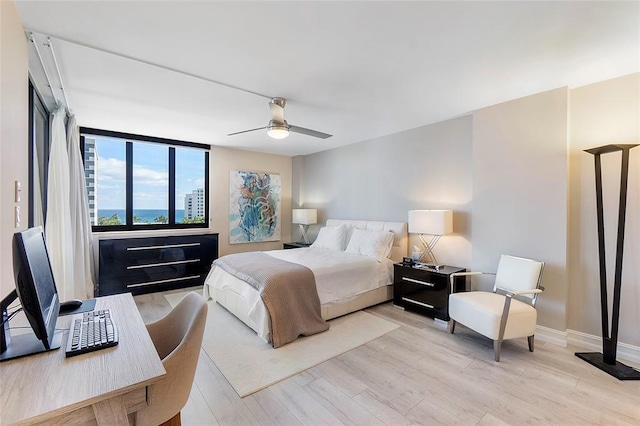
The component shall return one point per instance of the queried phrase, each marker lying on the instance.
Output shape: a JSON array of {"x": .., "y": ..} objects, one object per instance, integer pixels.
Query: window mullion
[
  {"x": 129, "y": 185},
  {"x": 172, "y": 185}
]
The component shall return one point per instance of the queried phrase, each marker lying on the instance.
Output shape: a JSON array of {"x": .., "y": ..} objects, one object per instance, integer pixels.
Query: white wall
[
  {"x": 382, "y": 179},
  {"x": 14, "y": 107},
  {"x": 601, "y": 114},
  {"x": 520, "y": 192}
]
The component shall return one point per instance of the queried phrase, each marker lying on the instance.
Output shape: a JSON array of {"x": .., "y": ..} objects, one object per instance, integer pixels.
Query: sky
[{"x": 150, "y": 174}]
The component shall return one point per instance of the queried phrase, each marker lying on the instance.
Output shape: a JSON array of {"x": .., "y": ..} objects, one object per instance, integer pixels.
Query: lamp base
[
  {"x": 617, "y": 370},
  {"x": 303, "y": 231}
]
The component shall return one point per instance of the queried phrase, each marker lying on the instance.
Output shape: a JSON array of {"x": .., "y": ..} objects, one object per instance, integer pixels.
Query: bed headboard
[{"x": 399, "y": 229}]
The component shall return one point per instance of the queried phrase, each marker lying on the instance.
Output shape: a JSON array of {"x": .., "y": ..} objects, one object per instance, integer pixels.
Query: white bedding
[
  {"x": 339, "y": 276},
  {"x": 346, "y": 282}
]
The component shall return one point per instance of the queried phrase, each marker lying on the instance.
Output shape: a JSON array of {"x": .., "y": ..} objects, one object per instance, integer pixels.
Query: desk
[{"x": 106, "y": 386}]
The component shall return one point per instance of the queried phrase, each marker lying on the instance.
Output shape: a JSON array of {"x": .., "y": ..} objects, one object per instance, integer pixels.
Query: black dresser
[
  {"x": 425, "y": 291},
  {"x": 146, "y": 265}
]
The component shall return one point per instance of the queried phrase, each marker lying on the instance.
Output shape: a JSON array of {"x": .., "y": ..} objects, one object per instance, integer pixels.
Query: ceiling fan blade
[
  {"x": 276, "y": 105},
  {"x": 246, "y": 131},
  {"x": 309, "y": 132}
]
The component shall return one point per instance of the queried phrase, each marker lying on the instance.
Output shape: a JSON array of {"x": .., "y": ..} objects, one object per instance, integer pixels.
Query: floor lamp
[{"x": 606, "y": 361}]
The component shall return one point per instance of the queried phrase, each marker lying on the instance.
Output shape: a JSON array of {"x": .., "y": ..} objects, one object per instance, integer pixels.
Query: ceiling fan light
[{"x": 278, "y": 132}]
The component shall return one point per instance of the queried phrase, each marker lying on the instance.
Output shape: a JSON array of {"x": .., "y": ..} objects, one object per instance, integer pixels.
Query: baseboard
[
  {"x": 551, "y": 335},
  {"x": 593, "y": 343},
  {"x": 586, "y": 341}
]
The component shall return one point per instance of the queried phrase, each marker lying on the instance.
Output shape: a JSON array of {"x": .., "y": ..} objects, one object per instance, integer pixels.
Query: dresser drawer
[{"x": 143, "y": 265}]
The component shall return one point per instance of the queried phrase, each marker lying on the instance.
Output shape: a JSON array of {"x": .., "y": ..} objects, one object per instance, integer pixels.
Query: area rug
[{"x": 250, "y": 364}]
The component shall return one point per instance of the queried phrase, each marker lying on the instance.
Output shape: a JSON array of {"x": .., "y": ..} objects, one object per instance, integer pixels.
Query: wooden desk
[{"x": 106, "y": 386}]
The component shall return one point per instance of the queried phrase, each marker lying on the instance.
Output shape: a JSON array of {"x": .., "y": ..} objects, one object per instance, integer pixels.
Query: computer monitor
[{"x": 36, "y": 288}]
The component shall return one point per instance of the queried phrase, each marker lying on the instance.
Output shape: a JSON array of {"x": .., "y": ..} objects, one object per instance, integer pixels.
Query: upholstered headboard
[{"x": 399, "y": 229}]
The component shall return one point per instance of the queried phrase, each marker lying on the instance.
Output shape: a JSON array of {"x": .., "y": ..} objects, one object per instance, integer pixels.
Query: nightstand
[
  {"x": 425, "y": 291},
  {"x": 286, "y": 246}
]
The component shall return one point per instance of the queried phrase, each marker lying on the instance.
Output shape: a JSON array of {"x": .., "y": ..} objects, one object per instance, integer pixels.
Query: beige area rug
[{"x": 250, "y": 364}]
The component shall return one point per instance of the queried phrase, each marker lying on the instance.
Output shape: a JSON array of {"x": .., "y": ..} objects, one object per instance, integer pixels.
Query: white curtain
[
  {"x": 58, "y": 222},
  {"x": 83, "y": 276},
  {"x": 38, "y": 208}
]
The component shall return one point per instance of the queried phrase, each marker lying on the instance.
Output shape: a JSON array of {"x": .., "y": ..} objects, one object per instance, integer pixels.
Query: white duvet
[{"x": 340, "y": 276}]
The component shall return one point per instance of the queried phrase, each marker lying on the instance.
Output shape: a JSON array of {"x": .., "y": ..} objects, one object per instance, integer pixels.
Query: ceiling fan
[{"x": 278, "y": 128}]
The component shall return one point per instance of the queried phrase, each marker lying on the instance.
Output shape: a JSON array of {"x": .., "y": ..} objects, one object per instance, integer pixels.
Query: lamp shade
[
  {"x": 431, "y": 222},
  {"x": 305, "y": 216}
]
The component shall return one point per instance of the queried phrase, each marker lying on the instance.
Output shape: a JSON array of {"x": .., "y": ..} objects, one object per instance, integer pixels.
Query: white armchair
[{"x": 506, "y": 313}]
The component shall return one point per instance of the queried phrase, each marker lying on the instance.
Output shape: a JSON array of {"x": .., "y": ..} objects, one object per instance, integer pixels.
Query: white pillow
[
  {"x": 376, "y": 244},
  {"x": 331, "y": 237}
]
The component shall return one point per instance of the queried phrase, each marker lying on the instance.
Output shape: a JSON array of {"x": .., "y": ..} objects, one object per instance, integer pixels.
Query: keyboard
[{"x": 91, "y": 331}]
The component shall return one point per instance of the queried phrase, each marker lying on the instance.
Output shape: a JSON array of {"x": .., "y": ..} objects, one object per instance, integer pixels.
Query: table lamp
[
  {"x": 430, "y": 222},
  {"x": 304, "y": 218}
]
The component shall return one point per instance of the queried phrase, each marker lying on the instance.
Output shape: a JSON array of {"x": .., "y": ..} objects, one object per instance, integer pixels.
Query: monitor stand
[
  {"x": 27, "y": 344},
  {"x": 21, "y": 344}
]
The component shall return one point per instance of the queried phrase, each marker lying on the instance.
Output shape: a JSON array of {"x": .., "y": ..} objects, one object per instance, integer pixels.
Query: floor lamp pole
[{"x": 607, "y": 360}]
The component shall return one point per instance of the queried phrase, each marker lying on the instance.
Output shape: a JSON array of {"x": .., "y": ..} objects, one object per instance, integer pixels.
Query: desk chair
[
  {"x": 498, "y": 314},
  {"x": 177, "y": 338}
]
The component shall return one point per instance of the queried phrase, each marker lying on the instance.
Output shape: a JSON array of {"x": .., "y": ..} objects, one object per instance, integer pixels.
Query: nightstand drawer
[
  {"x": 426, "y": 299},
  {"x": 417, "y": 276},
  {"x": 424, "y": 290}
]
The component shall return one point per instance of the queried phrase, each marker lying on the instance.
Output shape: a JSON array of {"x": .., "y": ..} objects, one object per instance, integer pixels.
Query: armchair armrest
[
  {"x": 464, "y": 274},
  {"x": 521, "y": 292}
]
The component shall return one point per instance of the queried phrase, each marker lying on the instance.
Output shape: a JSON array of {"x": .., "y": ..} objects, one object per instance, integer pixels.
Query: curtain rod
[
  {"x": 46, "y": 74},
  {"x": 142, "y": 61},
  {"x": 55, "y": 61}
]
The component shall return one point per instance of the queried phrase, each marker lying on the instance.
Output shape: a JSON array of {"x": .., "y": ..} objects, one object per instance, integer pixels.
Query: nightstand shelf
[
  {"x": 425, "y": 291},
  {"x": 286, "y": 246}
]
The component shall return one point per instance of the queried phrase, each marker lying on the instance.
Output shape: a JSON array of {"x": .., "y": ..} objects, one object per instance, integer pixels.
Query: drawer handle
[
  {"x": 418, "y": 282},
  {"x": 151, "y": 265},
  {"x": 162, "y": 281},
  {"x": 426, "y": 305},
  {"x": 162, "y": 247}
]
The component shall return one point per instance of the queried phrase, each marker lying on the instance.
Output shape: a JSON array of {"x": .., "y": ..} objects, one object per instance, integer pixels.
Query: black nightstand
[
  {"x": 425, "y": 291},
  {"x": 286, "y": 246}
]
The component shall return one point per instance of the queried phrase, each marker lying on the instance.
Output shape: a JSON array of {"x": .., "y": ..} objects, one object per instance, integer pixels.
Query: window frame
[
  {"x": 37, "y": 106},
  {"x": 130, "y": 139}
]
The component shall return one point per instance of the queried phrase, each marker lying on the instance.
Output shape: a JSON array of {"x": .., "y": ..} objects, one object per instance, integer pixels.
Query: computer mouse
[{"x": 71, "y": 304}]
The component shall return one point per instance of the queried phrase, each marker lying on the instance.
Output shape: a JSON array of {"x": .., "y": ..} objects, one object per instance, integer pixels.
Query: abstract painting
[{"x": 254, "y": 209}]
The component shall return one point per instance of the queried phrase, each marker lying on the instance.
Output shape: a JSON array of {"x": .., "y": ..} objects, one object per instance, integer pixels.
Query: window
[
  {"x": 140, "y": 182},
  {"x": 38, "y": 157}
]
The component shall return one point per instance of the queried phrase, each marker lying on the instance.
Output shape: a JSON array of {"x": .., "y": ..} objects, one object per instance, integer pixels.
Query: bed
[{"x": 346, "y": 281}]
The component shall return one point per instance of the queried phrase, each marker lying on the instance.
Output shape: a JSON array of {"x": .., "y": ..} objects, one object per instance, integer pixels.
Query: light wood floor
[{"x": 419, "y": 374}]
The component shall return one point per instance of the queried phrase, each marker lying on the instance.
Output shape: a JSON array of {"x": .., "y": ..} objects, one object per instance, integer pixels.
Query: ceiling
[{"x": 196, "y": 71}]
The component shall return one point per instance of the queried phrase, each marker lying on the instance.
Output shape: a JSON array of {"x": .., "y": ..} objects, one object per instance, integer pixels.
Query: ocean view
[{"x": 145, "y": 215}]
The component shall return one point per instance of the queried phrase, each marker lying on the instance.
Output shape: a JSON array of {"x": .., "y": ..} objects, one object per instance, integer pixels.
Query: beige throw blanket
[{"x": 288, "y": 290}]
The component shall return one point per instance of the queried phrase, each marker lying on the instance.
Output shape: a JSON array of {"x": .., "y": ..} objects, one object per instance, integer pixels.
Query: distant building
[
  {"x": 194, "y": 204},
  {"x": 91, "y": 176}
]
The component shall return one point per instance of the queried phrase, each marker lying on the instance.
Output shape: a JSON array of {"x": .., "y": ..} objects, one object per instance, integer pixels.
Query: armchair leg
[
  {"x": 452, "y": 325},
  {"x": 497, "y": 344},
  {"x": 530, "y": 341}
]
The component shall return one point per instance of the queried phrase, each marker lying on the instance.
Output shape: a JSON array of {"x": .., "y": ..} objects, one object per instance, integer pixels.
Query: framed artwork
[{"x": 254, "y": 207}]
